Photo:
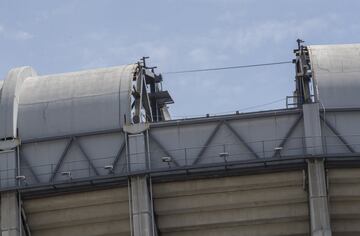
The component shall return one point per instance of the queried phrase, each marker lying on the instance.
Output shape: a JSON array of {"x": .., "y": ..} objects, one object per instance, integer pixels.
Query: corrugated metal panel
[
  {"x": 336, "y": 74},
  {"x": 75, "y": 102},
  {"x": 344, "y": 192},
  {"x": 265, "y": 204},
  {"x": 100, "y": 213}
]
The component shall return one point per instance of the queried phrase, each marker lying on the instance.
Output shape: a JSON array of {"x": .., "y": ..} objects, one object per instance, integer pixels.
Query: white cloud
[
  {"x": 14, "y": 34},
  {"x": 22, "y": 35}
]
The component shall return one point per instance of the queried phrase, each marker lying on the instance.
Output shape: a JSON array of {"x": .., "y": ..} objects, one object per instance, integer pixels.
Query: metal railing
[{"x": 158, "y": 160}]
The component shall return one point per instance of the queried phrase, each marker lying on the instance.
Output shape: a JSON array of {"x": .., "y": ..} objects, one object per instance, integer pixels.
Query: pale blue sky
[{"x": 63, "y": 36}]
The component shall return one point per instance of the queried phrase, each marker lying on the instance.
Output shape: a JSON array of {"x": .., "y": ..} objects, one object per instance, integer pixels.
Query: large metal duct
[
  {"x": 335, "y": 74},
  {"x": 75, "y": 102},
  {"x": 33, "y": 106}
]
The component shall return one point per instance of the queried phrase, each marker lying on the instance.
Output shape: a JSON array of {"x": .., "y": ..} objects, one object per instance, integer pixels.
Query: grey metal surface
[
  {"x": 68, "y": 103},
  {"x": 183, "y": 141},
  {"x": 336, "y": 74},
  {"x": 71, "y": 126},
  {"x": 9, "y": 100}
]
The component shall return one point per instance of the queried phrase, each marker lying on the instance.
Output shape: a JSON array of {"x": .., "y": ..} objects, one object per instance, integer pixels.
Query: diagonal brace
[
  {"x": 25, "y": 161},
  {"x": 238, "y": 136},
  {"x": 333, "y": 129},
  {"x": 118, "y": 155},
  {"x": 61, "y": 160},
  {"x": 86, "y": 156},
  {"x": 208, "y": 141},
  {"x": 25, "y": 222},
  {"x": 152, "y": 137},
  {"x": 287, "y": 135}
]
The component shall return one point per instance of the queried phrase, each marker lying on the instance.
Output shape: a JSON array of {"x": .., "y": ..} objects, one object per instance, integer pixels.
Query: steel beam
[
  {"x": 152, "y": 137},
  {"x": 78, "y": 135},
  {"x": 240, "y": 116},
  {"x": 333, "y": 129},
  {"x": 25, "y": 222},
  {"x": 215, "y": 168},
  {"x": 25, "y": 161},
  {"x": 61, "y": 160},
  {"x": 188, "y": 121},
  {"x": 118, "y": 155},
  {"x": 287, "y": 135},
  {"x": 238, "y": 136},
  {"x": 318, "y": 199},
  {"x": 86, "y": 156},
  {"x": 141, "y": 207},
  {"x": 208, "y": 141}
]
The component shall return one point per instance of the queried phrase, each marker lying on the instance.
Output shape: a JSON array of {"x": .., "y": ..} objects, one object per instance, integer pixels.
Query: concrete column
[
  {"x": 141, "y": 201},
  {"x": 10, "y": 220},
  {"x": 318, "y": 199},
  {"x": 137, "y": 152},
  {"x": 141, "y": 207},
  {"x": 312, "y": 129}
]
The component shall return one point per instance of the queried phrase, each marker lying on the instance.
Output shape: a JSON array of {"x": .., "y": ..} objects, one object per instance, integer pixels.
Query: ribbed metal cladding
[
  {"x": 100, "y": 213},
  {"x": 264, "y": 204},
  {"x": 344, "y": 194}
]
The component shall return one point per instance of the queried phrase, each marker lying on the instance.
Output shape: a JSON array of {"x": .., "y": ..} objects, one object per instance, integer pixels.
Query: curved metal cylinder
[
  {"x": 336, "y": 74},
  {"x": 63, "y": 104}
]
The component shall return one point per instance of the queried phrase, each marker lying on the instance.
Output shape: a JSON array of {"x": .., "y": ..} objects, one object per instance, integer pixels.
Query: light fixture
[
  {"x": 20, "y": 177},
  {"x": 66, "y": 173},
  {"x": 110, "y": 168},
  {"x": 167, "y": 160},
  {"x": 278, "y": 150},
  {"x": 224, "y": 155}
]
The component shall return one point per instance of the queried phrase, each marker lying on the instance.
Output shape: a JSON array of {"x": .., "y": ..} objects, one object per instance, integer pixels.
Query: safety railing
[{"x": 158, "y": 160}]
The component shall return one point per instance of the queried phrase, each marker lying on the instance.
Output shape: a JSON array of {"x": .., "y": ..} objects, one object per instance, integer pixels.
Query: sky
[{"x": 64, "y": 36}]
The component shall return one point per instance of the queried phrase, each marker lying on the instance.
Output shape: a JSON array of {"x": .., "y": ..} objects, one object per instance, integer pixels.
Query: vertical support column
[
  {"x": 137, "y": 152},
  {"x": 9, "y": 157},
  {"x": 318, "y": 199},
  {"x": 141, "y": 207},
  {"x": 140, "y": 195},
  {"x": 312, "y": 129},
  {"x": 10, "y": 211},
  {"x": 10, "y": 217}
]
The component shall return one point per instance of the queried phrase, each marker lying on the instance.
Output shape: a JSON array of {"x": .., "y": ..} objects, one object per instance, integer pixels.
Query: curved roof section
[
  {"x": 69, "y": 103},
  {"x": 336, "y": 74}
]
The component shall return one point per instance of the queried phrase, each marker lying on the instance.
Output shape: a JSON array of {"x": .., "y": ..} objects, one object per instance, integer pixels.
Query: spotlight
[
  {"x": 66, "y": 173},
  {"x": 224, "y": 155},
  {"x": 110, "y": 168},
  {"x": 168, "y": 160}
]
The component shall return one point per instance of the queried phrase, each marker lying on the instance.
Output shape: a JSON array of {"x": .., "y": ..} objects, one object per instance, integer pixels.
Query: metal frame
[
  {"x": 61, "y": 160},
  {"x": 246, "y": 167},
  {"x": 238, "y": 136},
  {"x": 86, "y": 156},
  {"x": 25, "y": 222},
  {"x": 287, "y": 135},
  {"x": 338, "y": 135},
  {"x": 118, "y": 155},
  {"x": 240, "y": 116},
  {"x": 213, "y": 134},
  {"x": 77, "y": 135},
  {"x": 152, "y": 137},
  {"x": 25, "y": 161},
  {"x": 207, "y": 142},
  {"x": 221, "y": 119}
]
